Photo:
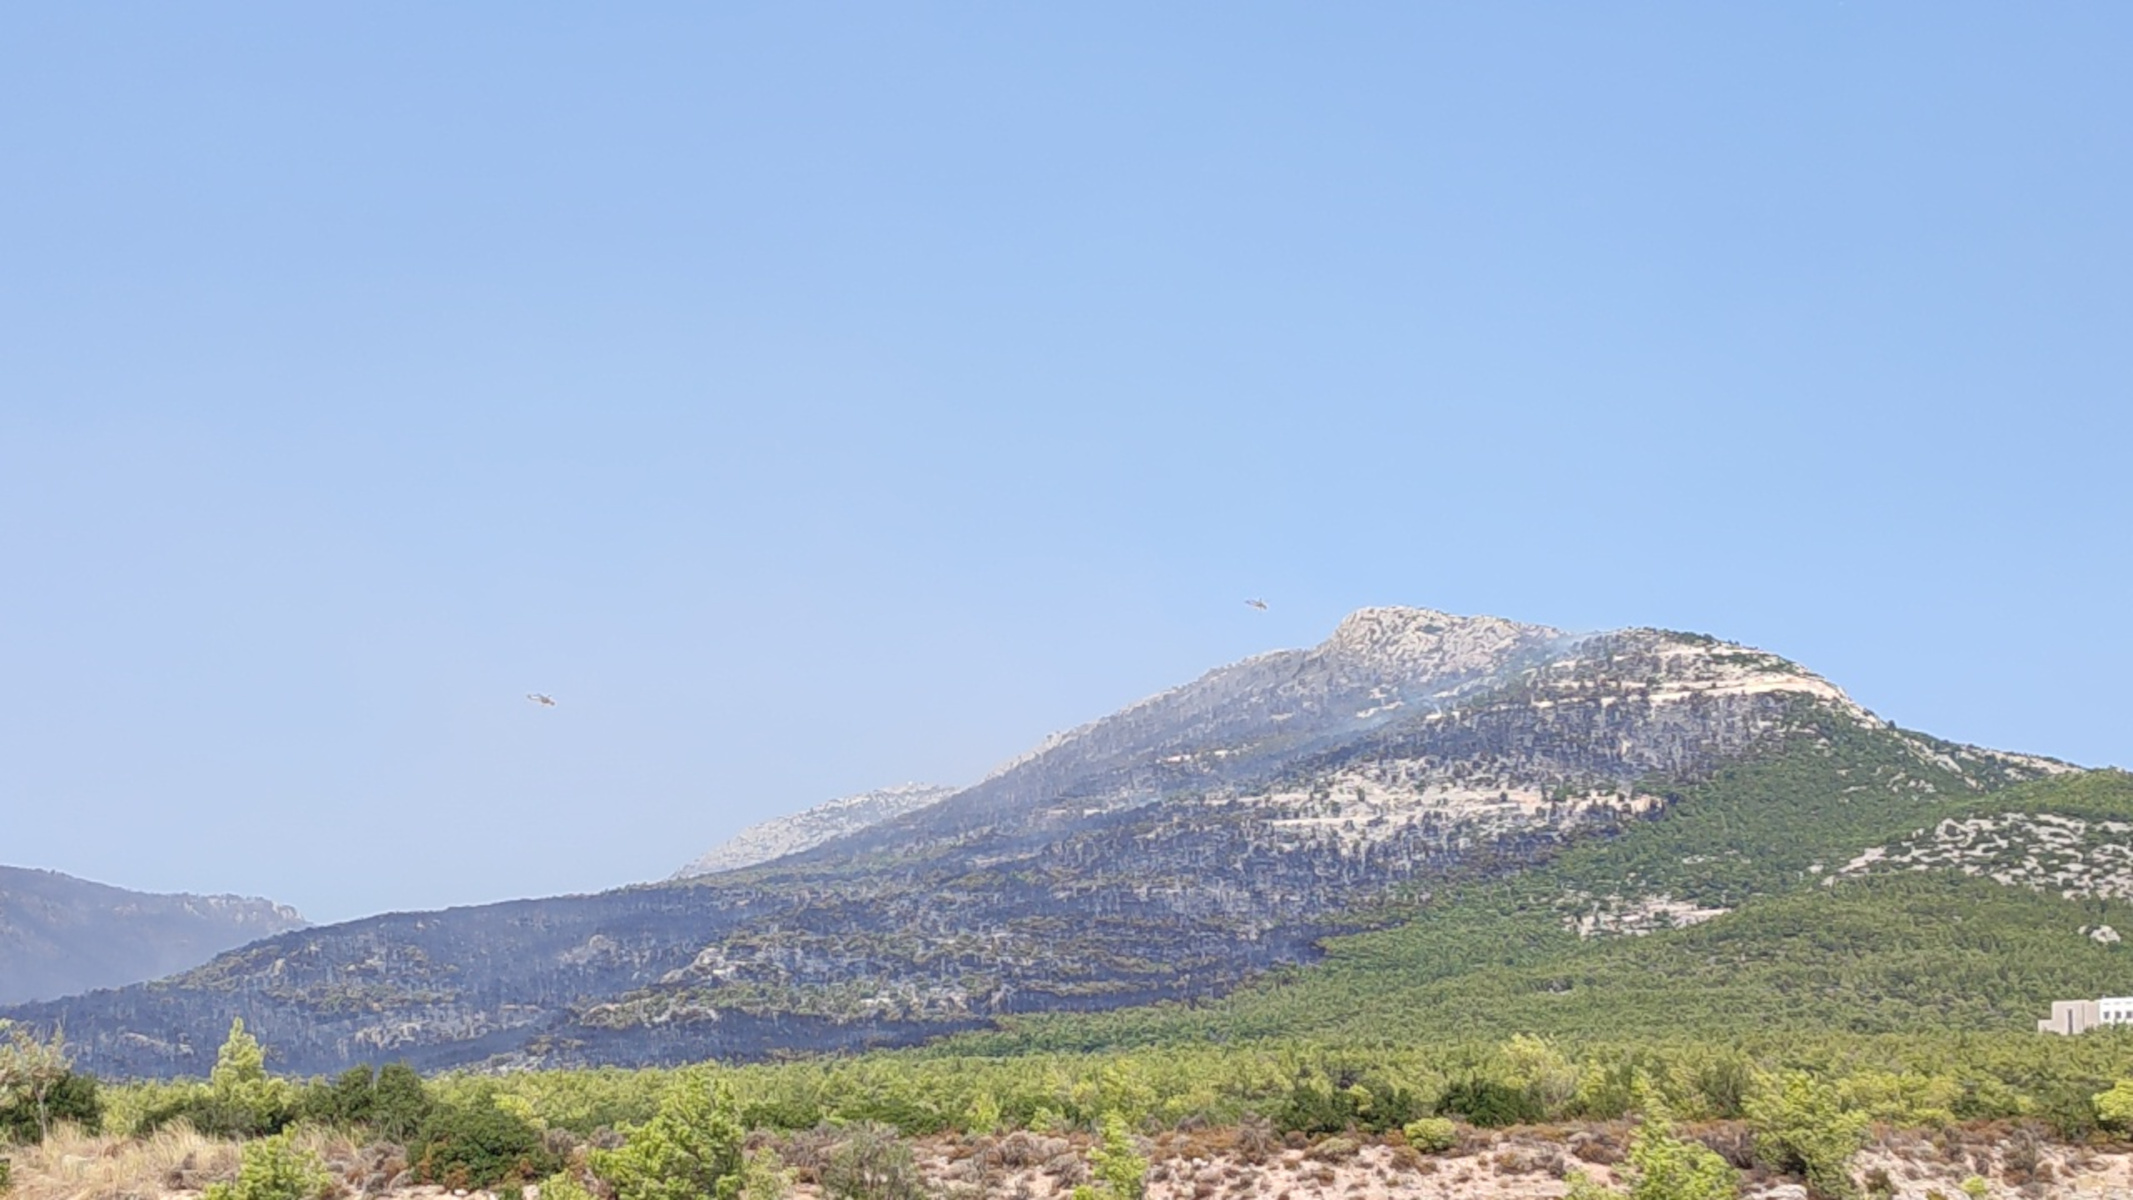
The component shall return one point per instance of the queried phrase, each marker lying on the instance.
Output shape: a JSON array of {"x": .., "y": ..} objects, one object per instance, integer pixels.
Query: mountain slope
[
  {"x": 60, "y": 935},
  {"x": 780, "y": 836},
  {"x": 1810, "y": 892},
  {"x": 1173, "y": 850}
]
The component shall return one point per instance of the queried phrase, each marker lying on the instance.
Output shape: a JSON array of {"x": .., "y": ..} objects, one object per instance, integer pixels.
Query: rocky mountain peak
[{"x": 1424, "y": 643}]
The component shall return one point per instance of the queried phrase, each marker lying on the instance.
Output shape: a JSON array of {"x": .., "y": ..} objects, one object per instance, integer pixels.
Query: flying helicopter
[
  {"x": 1258, "y": 604},
  {"x": 541, "y": 698}
]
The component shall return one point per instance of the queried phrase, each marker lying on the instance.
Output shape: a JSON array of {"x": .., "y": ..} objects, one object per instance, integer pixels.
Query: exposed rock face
[
  {"x": 1169, "y": 850},
  {"x": 2045, "y": 852},
  {"x": 1235, "y": 721},
  {"x": 774, "y": 839},
  {"x": 60, "y": 935}
]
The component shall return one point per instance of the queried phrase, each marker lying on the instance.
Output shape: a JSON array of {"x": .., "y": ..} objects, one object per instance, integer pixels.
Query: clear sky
[{"x": 816, "y": 397}]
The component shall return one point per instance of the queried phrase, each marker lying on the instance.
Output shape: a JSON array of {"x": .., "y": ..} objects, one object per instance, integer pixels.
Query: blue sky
[{"x": 818, "y": 397}]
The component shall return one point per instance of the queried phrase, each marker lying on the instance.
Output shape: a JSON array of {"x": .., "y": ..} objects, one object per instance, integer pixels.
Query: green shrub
[
  {"x": 983, "y": 1116},
  {"x": 6, "y": 1174},
  {"x": 399, "y": 1103},
  {"x": 1711, "y": 1084},
  {"x": 2114, "y": 1108},
  {"x": 478, "y": 1145},
  {"x": 32, "y": 1072},
  {"x": 1490, "y": 1102},
  {"x": 1909, "y": 1099},
  {"x": 1314, "y": 1105},
  {"x": 1664, "y": 1167},
  {"x": 391, "y": 1102},
  {"x": 1432, "y": 1135},
  {"x": 690, "y": 1149},
  {"x": 74, "y": 1099},
  {"x": 1117, "y": 1163},
  {"x": 1802, "y": 1127},
  {"x": 565, "y": 1186},
  {"x": 272, "y": 1169},
  {"x": 1318, "y": 1104},
  {"x": 241, "y": 1100},
  {"x": 343, "y": 1103}
]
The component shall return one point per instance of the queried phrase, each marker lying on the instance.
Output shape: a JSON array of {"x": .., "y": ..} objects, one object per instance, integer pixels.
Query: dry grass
[{"x": 72, "y": 1165}]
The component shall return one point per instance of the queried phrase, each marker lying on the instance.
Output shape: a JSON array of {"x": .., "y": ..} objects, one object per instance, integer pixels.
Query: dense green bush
[
  {"x": 343, "y": 1102},
  {"x": 1490, "y": 1102},
  {"x": 477, "y": 1144},
  {"x": 2114, "y": 1108},
  {"x": 1803, "y": 1127},
  {"x": 1317, "y": 1104},
  {"x": 1432, "y": 1135},
  {"x": 691, "y": 1149},
  {"x": 75, "y": 1100},
  {"x": 391, "y": 1103}
]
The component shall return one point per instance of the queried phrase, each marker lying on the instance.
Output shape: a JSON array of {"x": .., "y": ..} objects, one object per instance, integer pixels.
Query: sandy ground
[
  {"x": 1512, "y": 1165},
  {"x": 1242, "y": 1164}
]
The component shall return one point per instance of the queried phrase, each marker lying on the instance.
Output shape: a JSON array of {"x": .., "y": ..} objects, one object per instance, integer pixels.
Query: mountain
[
  {"x": 60, "y": 935},
  {"x": 1821, "y": 885},
  {"x": 805, "y": 830},
  {"x": 1175, "y": 850}
]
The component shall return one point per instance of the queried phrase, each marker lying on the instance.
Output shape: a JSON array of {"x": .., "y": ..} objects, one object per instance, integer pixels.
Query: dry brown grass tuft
[{"x": 72, "y": 1165}]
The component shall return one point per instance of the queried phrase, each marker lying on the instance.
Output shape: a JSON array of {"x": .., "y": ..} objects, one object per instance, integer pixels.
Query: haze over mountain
[
  {"x": 1171, "y": 850},
  {"x": 60, "y": 935},
  {"x": 807, "y": 829}
]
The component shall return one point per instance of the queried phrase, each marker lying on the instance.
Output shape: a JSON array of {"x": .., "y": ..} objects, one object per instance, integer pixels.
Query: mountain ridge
[
  {"x": 1172, "y": 850},
  {"x": 778, "y": 837},
  {"x": 60, "y": 934}
]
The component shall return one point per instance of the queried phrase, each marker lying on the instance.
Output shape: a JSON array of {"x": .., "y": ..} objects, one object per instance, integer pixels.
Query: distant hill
[
  {"x": 1488, "y": 797},
  {"x": 780, "y": 836},
  {"x": 60, "y": 935}
]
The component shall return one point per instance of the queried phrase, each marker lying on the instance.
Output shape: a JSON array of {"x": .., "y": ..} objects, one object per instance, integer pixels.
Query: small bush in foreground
[
  {"x": 478, "y": 1145},
  {"x": 691, "y": 1149},
  {"x": 871, "y": 1163},
  {"x": 1664, "y": 1167},
  {"x": 1121, "y": 1171},
  {"x": 1432, "y": 1135},
  {"x": 272, "y": 1169},
  {"x": 1802, "y": 1127},
  {"x": 38, "y": 1086}
]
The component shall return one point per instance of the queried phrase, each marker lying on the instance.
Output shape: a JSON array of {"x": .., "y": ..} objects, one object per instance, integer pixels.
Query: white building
[{"x": 2080, "y": 1016}]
